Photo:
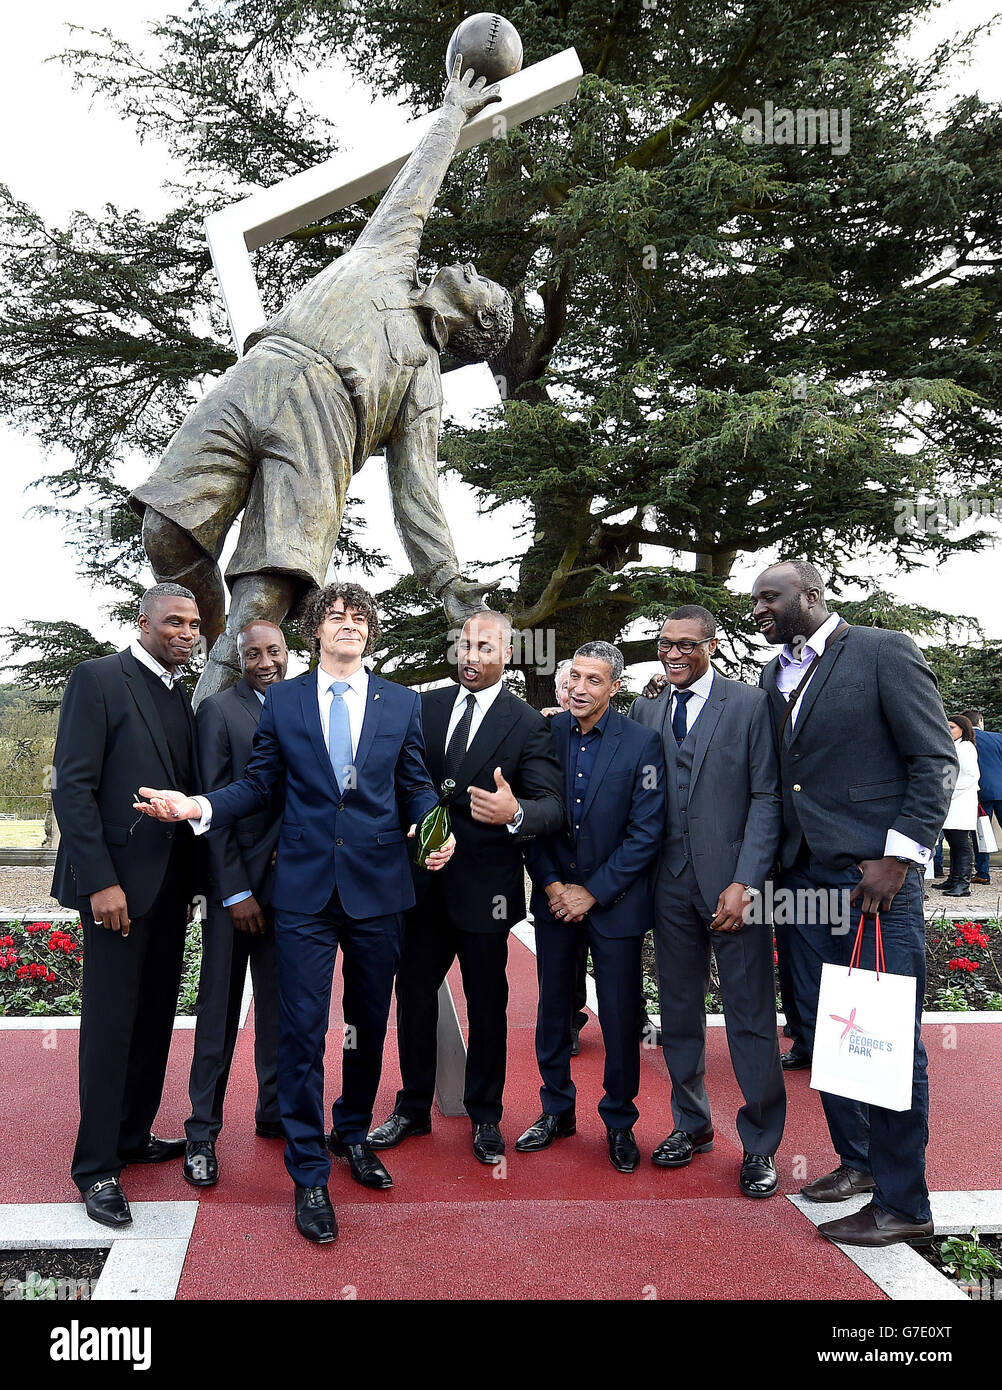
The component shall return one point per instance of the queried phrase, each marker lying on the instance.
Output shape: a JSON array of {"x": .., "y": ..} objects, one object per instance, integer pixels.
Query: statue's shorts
[{"x": 273, "y": 438}]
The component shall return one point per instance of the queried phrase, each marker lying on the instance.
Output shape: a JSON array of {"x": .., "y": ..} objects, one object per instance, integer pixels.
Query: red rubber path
[{"x": 558, "y": 1224}]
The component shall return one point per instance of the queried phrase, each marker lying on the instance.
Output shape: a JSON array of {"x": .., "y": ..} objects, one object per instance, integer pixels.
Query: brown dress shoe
[
  {"x": 838, "y": 1185},
  {"x": 875, "y": 1227}
]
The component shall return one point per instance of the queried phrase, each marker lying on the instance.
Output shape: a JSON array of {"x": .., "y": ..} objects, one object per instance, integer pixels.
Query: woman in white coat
[{"x": 962, "y": 817}]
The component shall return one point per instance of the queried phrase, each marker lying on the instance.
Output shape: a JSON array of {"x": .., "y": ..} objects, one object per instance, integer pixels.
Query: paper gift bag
[
  {"x": 864, "y": 1041},
  {"x": 985, "y": 835}
]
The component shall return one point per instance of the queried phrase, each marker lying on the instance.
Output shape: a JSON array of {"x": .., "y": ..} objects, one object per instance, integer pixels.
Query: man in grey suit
[
  {"x": 239, "y": 927},
  {"x": 722, "y": 833},
  {"x": 868, "y": 767}
]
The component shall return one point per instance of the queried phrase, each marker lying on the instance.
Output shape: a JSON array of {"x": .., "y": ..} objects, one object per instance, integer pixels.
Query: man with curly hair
[
  {"x": 349, "y": 750},
  {"x": 349, "y": 366}
]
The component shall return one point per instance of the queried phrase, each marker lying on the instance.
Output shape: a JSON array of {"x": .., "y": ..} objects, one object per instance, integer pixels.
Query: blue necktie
[
  {"x": 339, "y": 734},
  {"x": 682, "y": 697}
]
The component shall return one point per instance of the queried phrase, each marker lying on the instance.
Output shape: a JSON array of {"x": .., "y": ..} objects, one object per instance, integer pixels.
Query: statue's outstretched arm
[
  {"x": 398, "y": 222},
  {"x": 412, "y": 470}
]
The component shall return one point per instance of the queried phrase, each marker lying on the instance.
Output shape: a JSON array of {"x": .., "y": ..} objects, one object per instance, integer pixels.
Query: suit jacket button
[
  {"x": 170, "y": 834},
  {"x": 572, "y": 865},
  {"x": 340, "y": 805},
  {"x": 339, "y": 842},
  {"x": 796, "y": 786}
]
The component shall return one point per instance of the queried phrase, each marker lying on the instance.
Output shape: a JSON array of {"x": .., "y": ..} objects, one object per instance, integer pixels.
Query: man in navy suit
[
  {"x": 989, "y": 750},
  {"x": 592, "y": 878},
  {"x": 350, "y": 749}
]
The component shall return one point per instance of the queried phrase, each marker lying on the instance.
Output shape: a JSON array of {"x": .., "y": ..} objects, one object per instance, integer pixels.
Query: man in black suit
[
  {"x": 591, "y": 883},
  {"x": 126, "y": 719},
  {"x": 868, "y": 767},
  {"x": 721, "y": 835},
  {"x": 239, "y": 927},
  {"x": 498, "y": 751}
]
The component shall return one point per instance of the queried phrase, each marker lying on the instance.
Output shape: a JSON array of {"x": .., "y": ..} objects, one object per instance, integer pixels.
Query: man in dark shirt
[{"x": 126, "y": 719}]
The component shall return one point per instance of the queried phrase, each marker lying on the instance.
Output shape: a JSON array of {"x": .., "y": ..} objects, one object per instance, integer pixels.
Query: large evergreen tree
[{"x": 721, "y": 346}]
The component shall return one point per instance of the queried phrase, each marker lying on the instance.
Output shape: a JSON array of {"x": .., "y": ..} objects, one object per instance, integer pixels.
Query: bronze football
[{"x": 490, "y": 45}]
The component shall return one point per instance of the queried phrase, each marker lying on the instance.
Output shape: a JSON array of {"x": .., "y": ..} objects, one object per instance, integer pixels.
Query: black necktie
[
  {"x": 682, "y": 697},
  {"x": 455, "y": 750}
]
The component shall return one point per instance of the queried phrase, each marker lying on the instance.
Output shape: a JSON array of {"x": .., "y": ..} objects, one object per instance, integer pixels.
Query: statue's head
[{"x": 476, "y": 312}]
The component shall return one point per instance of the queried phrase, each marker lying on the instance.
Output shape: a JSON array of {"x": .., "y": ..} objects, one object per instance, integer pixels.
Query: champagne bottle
[{"x": 434, "y": 827}]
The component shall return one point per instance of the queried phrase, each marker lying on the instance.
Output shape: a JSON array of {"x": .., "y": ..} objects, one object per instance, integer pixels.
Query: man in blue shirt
[{"x": 591, "y": 879}]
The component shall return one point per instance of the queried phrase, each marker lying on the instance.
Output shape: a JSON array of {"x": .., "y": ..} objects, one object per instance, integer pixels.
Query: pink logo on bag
[{"x": 851, "y": 1026}]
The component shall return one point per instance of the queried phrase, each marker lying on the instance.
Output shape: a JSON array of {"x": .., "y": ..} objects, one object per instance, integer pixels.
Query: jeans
[{"x": 888, "y": 1144}]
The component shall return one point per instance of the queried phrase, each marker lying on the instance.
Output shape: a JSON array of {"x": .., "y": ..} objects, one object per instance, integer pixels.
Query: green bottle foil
[{"x": 434, "y": 828}]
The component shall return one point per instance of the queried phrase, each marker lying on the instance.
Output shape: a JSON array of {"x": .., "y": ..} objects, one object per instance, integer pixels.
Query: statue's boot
[{"x": 221, "y": 670}]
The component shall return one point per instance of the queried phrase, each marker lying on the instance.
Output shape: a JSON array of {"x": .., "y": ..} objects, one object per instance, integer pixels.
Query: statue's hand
[
  {"x": 461, "y": 600},
  {"x": 470, "y": 93}
]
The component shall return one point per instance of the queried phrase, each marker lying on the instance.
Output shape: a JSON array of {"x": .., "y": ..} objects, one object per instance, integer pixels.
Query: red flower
[
  {"x": 963, "y": 963},
  {"x": 6, "y": 941},
  {"x": 23, "y": 973},
  {"x": 972, "y": 934},
  {"x": 3, "y": 962},
  {"x": 50, "y": 978}
]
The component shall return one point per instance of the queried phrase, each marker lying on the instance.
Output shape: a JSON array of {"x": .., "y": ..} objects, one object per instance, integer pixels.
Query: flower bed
[
  {"x": 972, "y": 1262},
  {"x": 963, "y": 969},
  {"x": 41, "y": 968}
]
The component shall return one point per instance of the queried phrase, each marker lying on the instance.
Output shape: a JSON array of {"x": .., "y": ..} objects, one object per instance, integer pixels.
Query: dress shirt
[
  {"x": 354, "y": 698},
  {"x": 791, "y": 668},
  {"x": 582, "y": 750},
  {"x": 581, "y": 754},
  {"x": 482, "y": 701},
  {"x": 169, "y": 678},
  {"x": 788, "y": 677},
  {"x": 699, "y": 694}
]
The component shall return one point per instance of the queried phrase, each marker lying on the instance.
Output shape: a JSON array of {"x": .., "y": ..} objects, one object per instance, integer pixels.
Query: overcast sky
[{"x": 61, "y": 153}]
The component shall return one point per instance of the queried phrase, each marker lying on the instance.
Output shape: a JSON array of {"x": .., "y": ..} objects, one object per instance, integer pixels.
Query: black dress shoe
[
  {"x": 961, "y": 889},
  {"x": 758, "y": 1175},
  {"x": 838, "y": 1185},
  {"x": 365, "y": 1166},
  {"x": 200, "y": 1166},
  {"x": 623, "y": 1150},
  {"x": 542, "y": 1133},
  {"x": 269, "y": 1129},
  {"x": 575, "y": 1041},
  {"x": 488, "y": 1146},
  {"x": 795, "y": 1060},
  {"x": 874, "y": 1227},
  {"x": 315, "y": 1217},
  {"x": 156, "y": 1151},
  {"x": 395, "y": 1130},
  {"x": 106, "y": 1202},
  {"x": 677, "y": 1150}
]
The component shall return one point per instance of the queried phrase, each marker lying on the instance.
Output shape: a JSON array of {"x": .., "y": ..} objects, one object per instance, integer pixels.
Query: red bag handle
[{"x": 857, "y": 949}]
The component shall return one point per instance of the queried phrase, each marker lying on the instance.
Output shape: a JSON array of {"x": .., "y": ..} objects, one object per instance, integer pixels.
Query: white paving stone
[
  {"x": 145, "y": 1259},
  {"x": 899, "y": 1271}
]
